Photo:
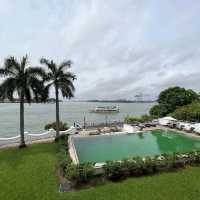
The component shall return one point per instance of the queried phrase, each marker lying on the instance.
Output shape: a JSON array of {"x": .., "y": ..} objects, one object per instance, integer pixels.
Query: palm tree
[
  {"x": 24, "y": 81},
  {"x": 62, "y": 80}
]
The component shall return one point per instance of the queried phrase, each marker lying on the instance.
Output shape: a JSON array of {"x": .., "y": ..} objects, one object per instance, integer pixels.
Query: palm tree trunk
[
  {"x": 57, "y": 114},
  {"x": 22, "y": 142}
]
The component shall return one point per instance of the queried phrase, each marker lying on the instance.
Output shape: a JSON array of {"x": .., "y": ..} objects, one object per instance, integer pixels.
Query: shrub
[
  {"x": 71, "y": 172},
  {"x": 160, "y": 110},
  {"x": 133, "y": 167},
  {"x": 62, "y": 126},
  {"x": 63, "y": 159},
  {"x": 189, "y": 112},
  {"x": 148, "y": 165},
  {"x": 86, "y": 171},
  {"x": 79, "y": 173},
  {"x": 113, "y": 170},
  {"x": 141, "y": 119},
  {"x": 63, "y": 156},
  {"x": 126, "y": 166}
]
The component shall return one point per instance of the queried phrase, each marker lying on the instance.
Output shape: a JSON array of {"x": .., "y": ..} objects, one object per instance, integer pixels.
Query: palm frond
[
  {"x": 4, "y": 72},
  {"x": 49, "y": 77},
  {"x": 64, "y": 64},
  {"x": 67, "y": 91},
  {"x": 45, "y": 92},
  {"x": 11, "y": 64},
  {"x": 36, "y": 72},
  {"x": 67, "y": 75},
  {"x": 36, "y": 87},
  {"x": 66, "y": 83},
  {"x": 50, "y": 64},
  {"x": 7, "y": 88},
  {"x": 60, "y": 78},
  {"x": 24, "y": 62}
]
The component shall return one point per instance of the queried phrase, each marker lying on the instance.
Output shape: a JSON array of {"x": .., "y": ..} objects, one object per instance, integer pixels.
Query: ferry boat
[{"x": 105, "y": 109}]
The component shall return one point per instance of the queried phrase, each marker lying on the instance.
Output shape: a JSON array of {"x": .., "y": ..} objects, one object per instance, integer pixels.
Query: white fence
[{"x": 29, "y": 138}]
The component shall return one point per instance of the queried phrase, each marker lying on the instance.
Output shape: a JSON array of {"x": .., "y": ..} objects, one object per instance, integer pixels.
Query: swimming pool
[{"x": 117, "y": 147}]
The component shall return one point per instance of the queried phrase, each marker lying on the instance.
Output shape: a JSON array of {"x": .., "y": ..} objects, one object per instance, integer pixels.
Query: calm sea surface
[{"x": 37, "y": 115}]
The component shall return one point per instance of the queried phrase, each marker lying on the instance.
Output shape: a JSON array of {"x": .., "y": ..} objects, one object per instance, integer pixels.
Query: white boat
[{"x": 105, "y": 109}]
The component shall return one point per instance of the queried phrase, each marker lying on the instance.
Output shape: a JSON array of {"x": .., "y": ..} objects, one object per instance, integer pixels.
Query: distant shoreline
[
  {"x": 115, "y": 101},
  {"x": 90, "y": 101},
  {"x": 50, "y": 100}
]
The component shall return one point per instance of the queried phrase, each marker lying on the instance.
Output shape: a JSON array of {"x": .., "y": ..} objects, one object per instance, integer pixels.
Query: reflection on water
[
  {"x": 141, "y": 135},
  {"x": 169, "y": 142}
]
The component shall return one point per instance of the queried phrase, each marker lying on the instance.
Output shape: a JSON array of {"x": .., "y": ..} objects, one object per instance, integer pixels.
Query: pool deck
[{"x": 87, "y": 132}]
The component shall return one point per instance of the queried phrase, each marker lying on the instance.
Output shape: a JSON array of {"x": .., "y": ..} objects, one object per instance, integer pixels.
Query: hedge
[
  {"x": 141, "y": 119},
  {"x": 62, "y": 126}
]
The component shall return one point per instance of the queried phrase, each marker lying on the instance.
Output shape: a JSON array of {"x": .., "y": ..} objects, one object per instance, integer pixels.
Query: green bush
[
  {"x": 113, "y": 170},
  {"x": 86, "y": 171},
  {"x": 189, "y": 112},
  {"x": 71, "y": 172},
  {"x": 149, "y": 165},
  {"x": 63, "y": 156},
  {"x": 79, "y": 173},
  {"x": 62, "y": 126},
  {"x": 141, "y": 119},
  {"x": 160, "y": 110}
]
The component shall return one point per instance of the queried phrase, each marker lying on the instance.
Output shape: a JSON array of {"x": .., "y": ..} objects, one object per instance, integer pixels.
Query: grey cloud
[{"x": 119, "y": 48}]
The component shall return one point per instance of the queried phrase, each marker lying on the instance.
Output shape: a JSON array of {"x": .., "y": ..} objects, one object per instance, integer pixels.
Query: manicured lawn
[{"x": 28, "y": 174}]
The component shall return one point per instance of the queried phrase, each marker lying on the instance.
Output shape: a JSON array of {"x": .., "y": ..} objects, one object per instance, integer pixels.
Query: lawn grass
[{"x": 29, "y": 174}]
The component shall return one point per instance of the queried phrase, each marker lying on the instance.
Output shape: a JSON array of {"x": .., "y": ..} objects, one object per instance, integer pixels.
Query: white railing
[
  {"x": 29, "y": 137},
  {"x": 11, "y": 138},
  {"x": 70, "y": 131}
]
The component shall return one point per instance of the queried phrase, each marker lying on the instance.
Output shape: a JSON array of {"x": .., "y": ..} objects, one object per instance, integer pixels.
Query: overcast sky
[{"x": 120, "y": 48}]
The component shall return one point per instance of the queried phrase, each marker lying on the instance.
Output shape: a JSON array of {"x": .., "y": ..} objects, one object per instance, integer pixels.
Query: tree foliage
[
  {"x": 62, "y": 126},
  {"x": 59, "y": 78},
  {"x": 160, "y": 110},
  {"x": 172, "y": 98},
  {"x": 21, "y": 79},
  {"x": 141, "y": 119},
  {"x": 189, "y": 112}
]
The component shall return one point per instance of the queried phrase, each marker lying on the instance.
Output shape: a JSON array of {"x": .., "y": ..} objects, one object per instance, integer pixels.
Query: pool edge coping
[{"x": 72, "y": 150}]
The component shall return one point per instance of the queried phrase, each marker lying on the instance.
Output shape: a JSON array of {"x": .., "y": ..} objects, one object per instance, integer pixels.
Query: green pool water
[{"x": 117, "y": 147}]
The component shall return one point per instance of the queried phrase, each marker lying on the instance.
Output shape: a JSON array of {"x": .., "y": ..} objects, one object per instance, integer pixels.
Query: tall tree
[
  {"x": 24, "y": 81},
  {"x": 62, "y": 81}
]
